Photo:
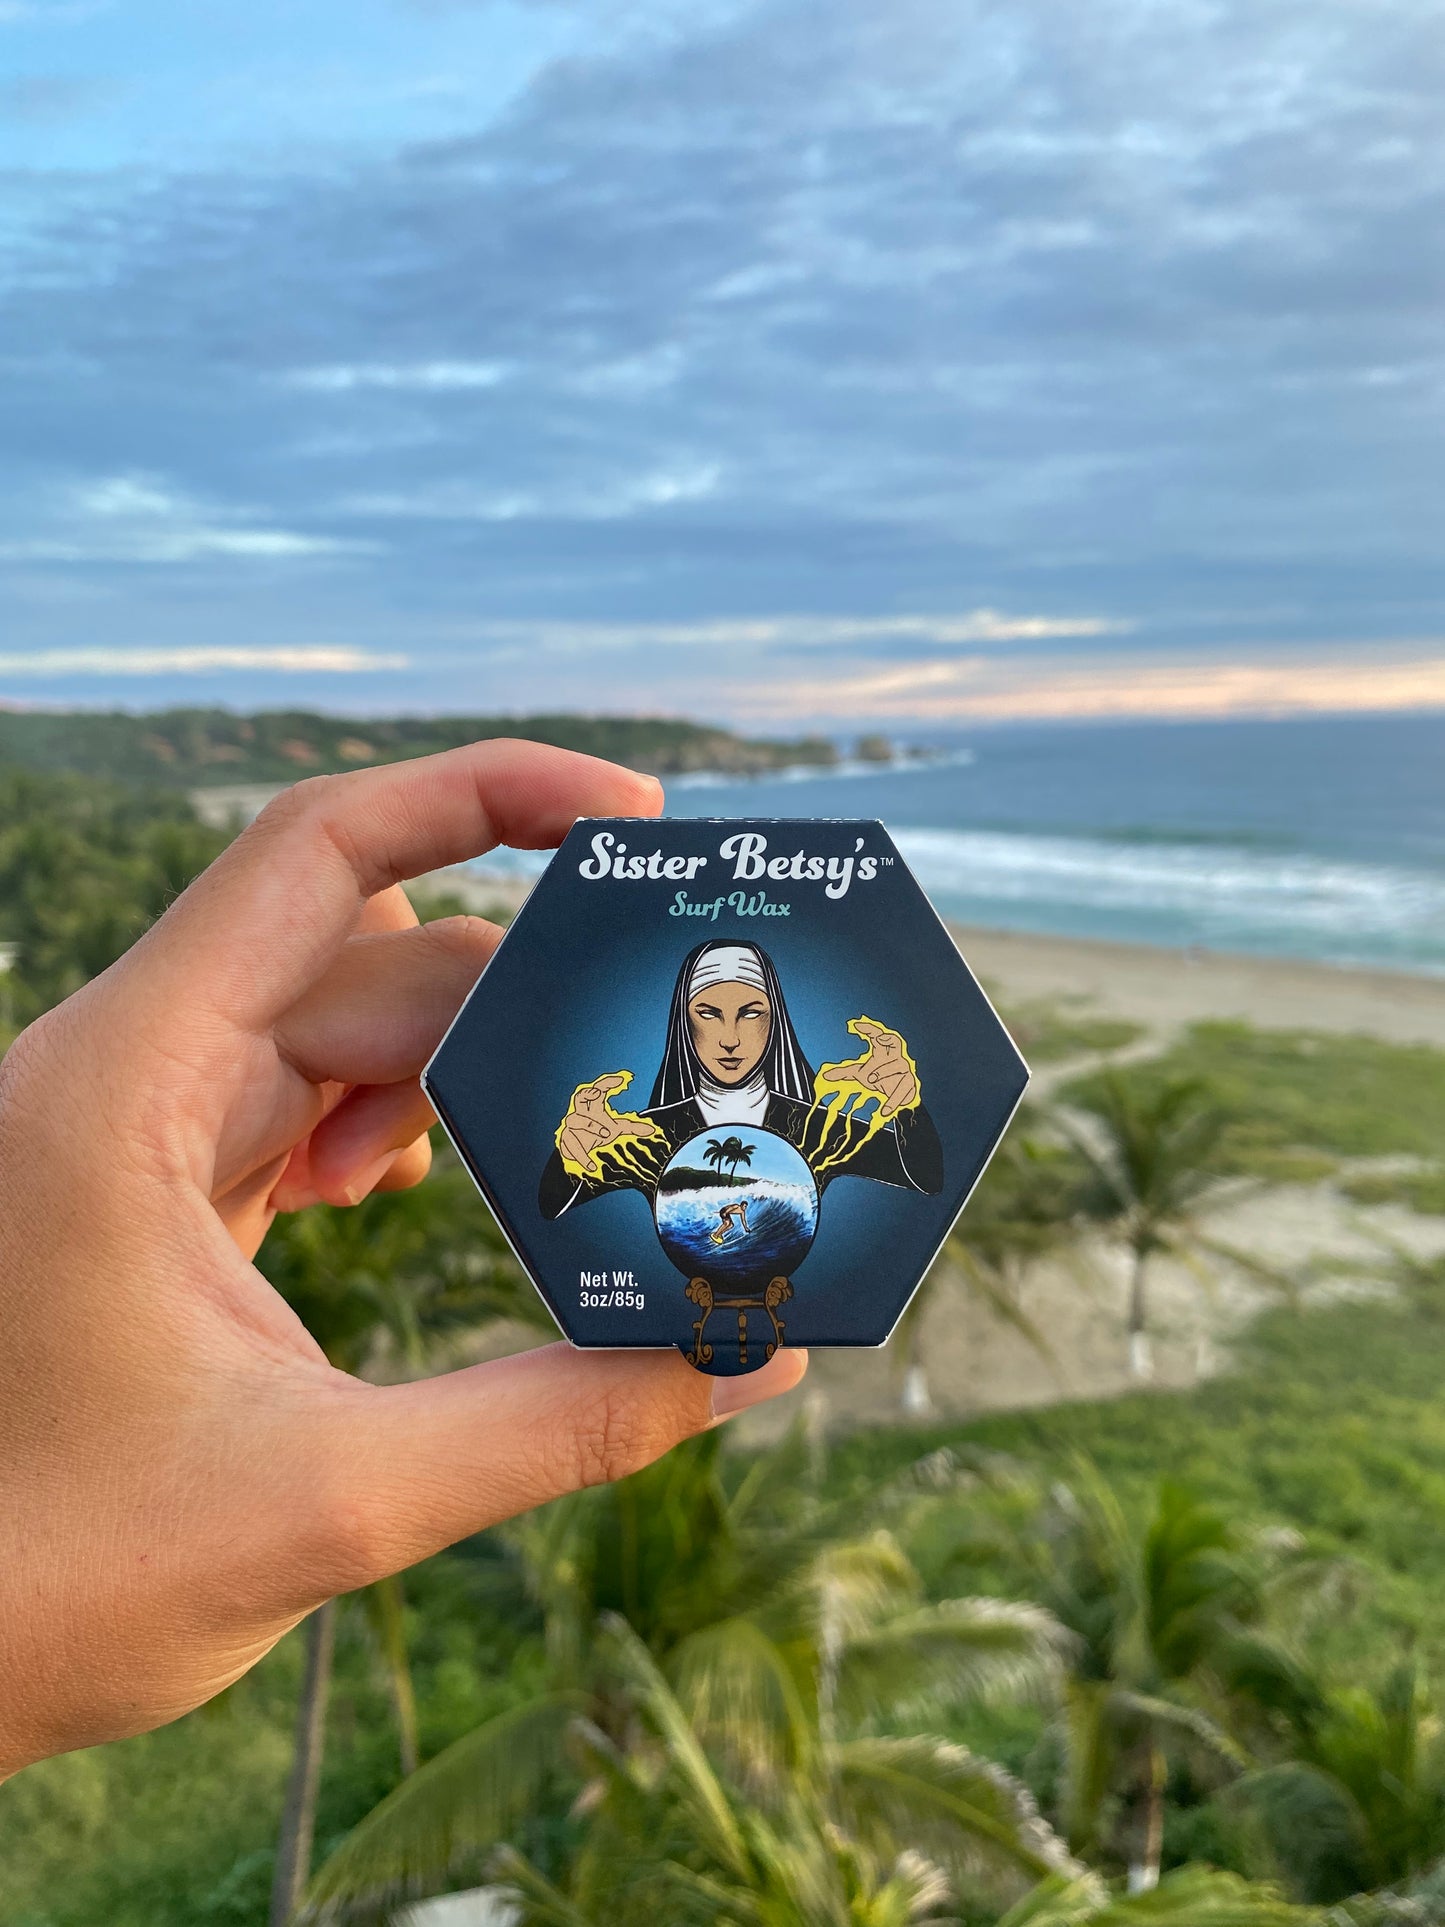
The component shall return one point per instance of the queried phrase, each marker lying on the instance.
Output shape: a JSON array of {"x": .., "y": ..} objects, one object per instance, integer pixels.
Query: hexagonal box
[{"x": 726, "y": 1085}]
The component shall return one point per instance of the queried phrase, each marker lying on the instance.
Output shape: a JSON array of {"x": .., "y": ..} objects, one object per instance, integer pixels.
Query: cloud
[
  {"x": 780, "y": 306},
  {"x": 790, "y": 632},
  {"x": 131, "y": 518},
  {"x": 199, "y": 660},
  {"x": 602, "y": 498},
  {"x": 420, "y": 377},
  {"x": 984, "y": 689}
]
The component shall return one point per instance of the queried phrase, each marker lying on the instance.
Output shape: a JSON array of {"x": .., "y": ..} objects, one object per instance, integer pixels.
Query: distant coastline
[{"x": 196, "y": 749}]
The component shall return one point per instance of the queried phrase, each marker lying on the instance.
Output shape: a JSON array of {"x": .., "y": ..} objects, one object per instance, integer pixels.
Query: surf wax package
[{"x": 726, "y": 1085}]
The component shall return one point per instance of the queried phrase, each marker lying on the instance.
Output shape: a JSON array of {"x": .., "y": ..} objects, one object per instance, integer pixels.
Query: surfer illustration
[
  {"x": 732, "y": 1057},
  {"x": 732, "y": 1217}
]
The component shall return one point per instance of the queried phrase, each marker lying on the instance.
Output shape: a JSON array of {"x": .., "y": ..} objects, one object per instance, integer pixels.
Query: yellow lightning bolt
[{"x": 840, "y": 1101}]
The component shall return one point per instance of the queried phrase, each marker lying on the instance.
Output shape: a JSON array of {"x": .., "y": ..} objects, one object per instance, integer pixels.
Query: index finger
[{"x": 260, "y": 924}]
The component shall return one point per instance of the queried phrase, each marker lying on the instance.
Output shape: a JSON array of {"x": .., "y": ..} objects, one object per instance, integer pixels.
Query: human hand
[
  {"x": 184, "y": 1476},
  {"x": 885, "y": 1070},
  {"x": 591, "y": 1124}
]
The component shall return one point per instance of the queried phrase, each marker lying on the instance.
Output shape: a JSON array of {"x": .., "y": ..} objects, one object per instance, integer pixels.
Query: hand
[
  {"x": 184, "y": 1474},
  {"x": 884, "y": 1071},
  {"x": 591, "y": 1124}
]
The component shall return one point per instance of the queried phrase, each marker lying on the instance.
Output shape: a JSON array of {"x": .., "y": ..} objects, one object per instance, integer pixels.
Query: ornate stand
[{"x": 703, "y": 1296}]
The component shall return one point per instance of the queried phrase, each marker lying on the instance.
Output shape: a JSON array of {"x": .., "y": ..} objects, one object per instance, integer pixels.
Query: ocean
[{"x": 1319, "y": 838}]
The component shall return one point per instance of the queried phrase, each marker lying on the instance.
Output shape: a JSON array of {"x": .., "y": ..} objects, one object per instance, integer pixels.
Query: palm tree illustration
[
  {"x": 738, "y": 1153},
  {"x": 728, "y": 1151}
]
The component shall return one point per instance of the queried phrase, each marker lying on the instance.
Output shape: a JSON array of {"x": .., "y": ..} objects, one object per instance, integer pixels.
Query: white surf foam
[{"x": 1224, "y": 890}]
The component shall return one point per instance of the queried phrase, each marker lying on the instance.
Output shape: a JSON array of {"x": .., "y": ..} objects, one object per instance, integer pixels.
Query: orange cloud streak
[{"x": 1063, "y": 687}]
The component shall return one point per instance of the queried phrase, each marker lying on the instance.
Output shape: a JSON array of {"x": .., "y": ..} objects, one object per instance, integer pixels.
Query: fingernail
[
  {"x": 781, "y": 1373},
  {"x": 362, "y": 1183}
]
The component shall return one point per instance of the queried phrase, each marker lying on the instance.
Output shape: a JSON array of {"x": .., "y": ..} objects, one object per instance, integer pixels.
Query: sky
[{"x": 771, "y": 362}]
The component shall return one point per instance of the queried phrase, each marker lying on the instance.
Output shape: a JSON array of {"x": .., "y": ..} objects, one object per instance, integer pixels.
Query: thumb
[{"x": 426, "y": 1464}]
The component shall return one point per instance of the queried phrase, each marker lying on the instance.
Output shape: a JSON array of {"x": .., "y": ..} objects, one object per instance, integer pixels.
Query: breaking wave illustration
[{"x": 781, "y": 1222}]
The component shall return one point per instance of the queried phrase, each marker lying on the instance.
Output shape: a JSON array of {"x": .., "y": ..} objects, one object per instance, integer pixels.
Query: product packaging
[{"x": 726, "y": 1085}]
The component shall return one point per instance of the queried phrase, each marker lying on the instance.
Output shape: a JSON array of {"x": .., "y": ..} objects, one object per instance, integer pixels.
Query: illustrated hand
[
  {"x": 591, "y": 1123},
  {"x": 183, "y": 1476},
  {"x": 884, "y": 1069}
]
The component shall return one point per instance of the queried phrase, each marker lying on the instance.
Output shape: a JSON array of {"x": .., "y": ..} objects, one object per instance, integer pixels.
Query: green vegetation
[
  {"x": 1422, "y": 1190},
  {"x": 1347, "y": 1096},
  {"x": 189, "y": 748},
  {"x": 84, "y": 868},
  {"x": 1049, "y": 1030},
  {"x": 1152, "y": 1660}
]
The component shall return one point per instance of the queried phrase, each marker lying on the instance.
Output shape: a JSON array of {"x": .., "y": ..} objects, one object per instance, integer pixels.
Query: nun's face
[{"x": 731, "y": 1025}]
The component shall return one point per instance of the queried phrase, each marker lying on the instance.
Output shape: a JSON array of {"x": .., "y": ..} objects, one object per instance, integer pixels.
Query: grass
[
  {"x": 1049, "y": 1030},
  {"x": 1422, "y": 1191},
  {"x": 1344, "y": 1095},
  {"x": 1332, "y": 1422}
]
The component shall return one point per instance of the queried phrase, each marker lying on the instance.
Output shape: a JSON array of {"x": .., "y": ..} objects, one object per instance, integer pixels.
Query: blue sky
[{"x": 916, "y": 362}]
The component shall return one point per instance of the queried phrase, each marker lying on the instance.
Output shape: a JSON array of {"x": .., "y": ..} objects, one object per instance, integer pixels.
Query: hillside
[{"x": 191, "y": 748}]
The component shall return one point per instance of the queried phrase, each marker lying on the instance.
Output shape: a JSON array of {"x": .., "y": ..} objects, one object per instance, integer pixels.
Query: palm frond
[
  {"x": 961, "y": 1809},
  {"x": 1309, "y": 1819},
  {"x": 1061, "y": 1900},
  {"x": 1189, "y": 1725},
  {"x": 1193, "y": 1896},
  {"x": 694, "y": 1782},
  {"x": 956, "y": 1650},
  {"x": 448, "y": 1813},
  {"x": 743, "y": 1701},
  {"x": 1090, "y": 1757}
]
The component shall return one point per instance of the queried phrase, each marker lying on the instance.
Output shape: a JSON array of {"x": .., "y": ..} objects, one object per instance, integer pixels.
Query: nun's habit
[{"x": 778, "y": 1097}]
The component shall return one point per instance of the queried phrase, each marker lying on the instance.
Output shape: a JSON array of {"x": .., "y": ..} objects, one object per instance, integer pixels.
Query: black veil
[{"x": 785, "y": 1069}]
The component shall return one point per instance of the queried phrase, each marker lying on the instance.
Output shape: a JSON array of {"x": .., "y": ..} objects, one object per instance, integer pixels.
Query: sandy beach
[{"x": 1166, "y": 989}]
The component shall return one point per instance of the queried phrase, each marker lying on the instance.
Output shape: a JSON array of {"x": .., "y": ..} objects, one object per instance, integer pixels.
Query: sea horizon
[{"x": 1316, "y": 838}]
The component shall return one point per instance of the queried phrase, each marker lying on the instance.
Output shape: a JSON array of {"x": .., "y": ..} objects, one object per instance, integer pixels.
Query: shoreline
[
  {"x": 1162, "y": 989},
  {"x": 1167, "y": 989}
]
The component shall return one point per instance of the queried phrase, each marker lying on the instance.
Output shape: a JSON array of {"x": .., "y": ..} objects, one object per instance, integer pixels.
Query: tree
[
  {"x": 1024, "y": 1210},
  {"x": 713, "y": 1795},
  {"x": 389, "y": 1278},
  {"x": 1153, "y": 1160},
  {"x": 739, "y": 1153},
  {"x": 787, "y": 1651},
  {"x": 1360, "y": 1805},
  {"x": 85, "y": 868},
  {"x": 1188, "y": 1897},
  {"x": 730, "y": 1152},
  {"x": 1172, "y": 1657}
]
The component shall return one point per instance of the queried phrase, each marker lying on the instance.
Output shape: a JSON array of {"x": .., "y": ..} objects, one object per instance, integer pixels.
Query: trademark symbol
[{"x": 886, "y": 862}]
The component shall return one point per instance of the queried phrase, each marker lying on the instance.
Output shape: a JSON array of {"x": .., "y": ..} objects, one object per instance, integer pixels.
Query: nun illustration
[{"x": 732, "y": 1058}]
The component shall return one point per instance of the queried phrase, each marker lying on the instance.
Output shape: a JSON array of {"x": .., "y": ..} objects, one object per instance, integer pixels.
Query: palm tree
[
  {"x": 390, "y": 1276},
  {"x": 739, "y": 1153},
  {"x": 716, "y": 1796},
  {"x": 1360, "y": 1805},
  {"x": 1024, "y": 1210},
  {"x": 756, "y": 1619},
  {"x": 1172, "y": 1659},
  {"x": 1189, "y": 1897},
  {"x": 730, "y": 1152},
  {"x": 1153, "y": 1158}
]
